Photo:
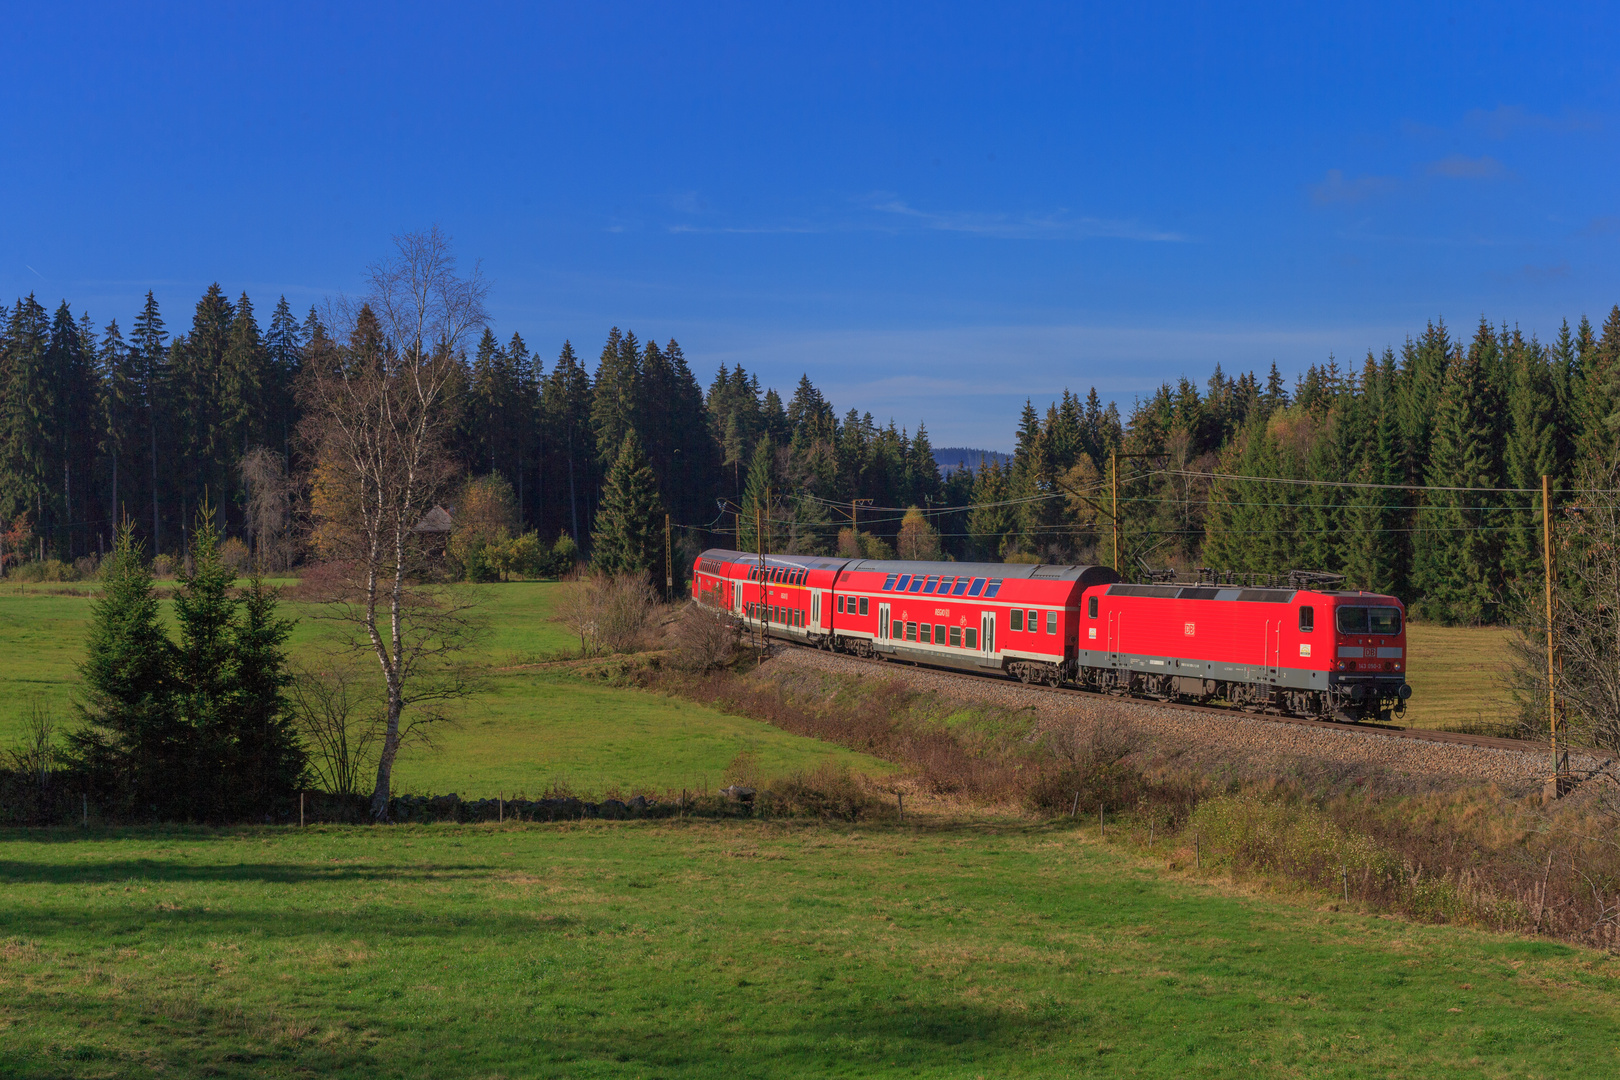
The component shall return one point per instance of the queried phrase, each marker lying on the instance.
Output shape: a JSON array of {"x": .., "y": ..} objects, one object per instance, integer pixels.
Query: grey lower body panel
[{"x": 1146, "y": 664}]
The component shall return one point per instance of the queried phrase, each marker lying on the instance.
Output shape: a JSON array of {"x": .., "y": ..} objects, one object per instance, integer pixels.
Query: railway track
[{"x": 1454, "y": 738}]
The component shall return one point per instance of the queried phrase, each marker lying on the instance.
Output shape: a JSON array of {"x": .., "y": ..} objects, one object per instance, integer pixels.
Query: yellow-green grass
[
  {"x": 1457, "y": 675},
  {"x": 532, "y": 729},
  {"x": 702, "y": 949}
]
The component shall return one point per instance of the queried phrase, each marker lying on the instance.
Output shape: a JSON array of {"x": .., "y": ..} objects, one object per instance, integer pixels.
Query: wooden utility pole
[
  {"x": 669, "y": 564},
  {"x": 1560, "y": 761},
  {"x": 1113, "y": 468}
]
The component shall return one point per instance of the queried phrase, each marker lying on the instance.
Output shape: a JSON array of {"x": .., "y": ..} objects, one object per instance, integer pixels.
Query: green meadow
[
  {"x": 535, "y": 727},
  {"x": 941, "y": 948}
]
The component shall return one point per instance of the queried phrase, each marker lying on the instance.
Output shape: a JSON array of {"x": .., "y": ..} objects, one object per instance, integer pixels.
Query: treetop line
[{"x": 1249, "y": 474}]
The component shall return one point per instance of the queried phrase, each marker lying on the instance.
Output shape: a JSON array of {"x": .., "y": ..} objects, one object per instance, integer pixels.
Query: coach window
[
  {"x": 1051, "y": 622},
  {"x": 1034, "y": 621},
  {"x": 888, "y": 583},
  {"x": 911, "y": 631},
  {"x": 1307, "y": 619},
  {"x": 1091, "y": 607},
  {"x": 916, "y": 583},
  {"x": 1016, "y": 619},
  {"x": 993, "y": 588},
  {"x": 939, "y": 633},
  {"x": 960, "y": 587},
  {"x": 840, "y": 605},
  {"x": 932, "y": 582},
  {"x": 863, "y": 605},
  {"x": 945, "y": 585},
  {"x": 925, "y": 633},
  {"x": 956, "y": 636},
  {"x": 971, "y": 635},
  {"x": 900, "y": 586},
  {"x": 978, "y": 587}
]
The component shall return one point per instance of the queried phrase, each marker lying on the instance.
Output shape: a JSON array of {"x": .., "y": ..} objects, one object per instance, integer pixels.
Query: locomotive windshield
[{"x": 1369, "y": 620}]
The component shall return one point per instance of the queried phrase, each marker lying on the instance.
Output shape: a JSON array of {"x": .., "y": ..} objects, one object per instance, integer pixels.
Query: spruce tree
[
  {"x": 267, "y": 761},
  {"x": 629, "y": 534},
  {"x": 1457, "y": 549},
  {"x": 757, "y": 497},
  {"x": 133, "y": 748},
  {"x": 151, "y": 356}
]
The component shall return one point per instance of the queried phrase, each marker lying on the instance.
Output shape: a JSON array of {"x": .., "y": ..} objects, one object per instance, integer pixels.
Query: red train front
[{"x": 1309, "y": 652}]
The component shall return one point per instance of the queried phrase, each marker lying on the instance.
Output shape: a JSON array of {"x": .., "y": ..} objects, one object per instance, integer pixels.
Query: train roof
[
  {"x": 1086, "y": 575},
  {"x": 802, "y": 562}
]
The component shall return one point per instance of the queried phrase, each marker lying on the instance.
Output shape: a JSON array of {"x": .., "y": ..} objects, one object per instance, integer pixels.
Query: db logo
[{"x": 1189, "y": 628}]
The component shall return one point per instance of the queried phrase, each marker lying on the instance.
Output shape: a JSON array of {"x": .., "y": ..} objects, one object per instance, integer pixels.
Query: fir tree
[
  {"x": 629, "y": 534},
  {"x": 757, "y": 498},
  {"x": 134, "y": 748}
]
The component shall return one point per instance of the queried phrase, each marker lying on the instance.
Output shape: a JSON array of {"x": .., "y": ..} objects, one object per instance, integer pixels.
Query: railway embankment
[{"x": 1214, "y": 742}]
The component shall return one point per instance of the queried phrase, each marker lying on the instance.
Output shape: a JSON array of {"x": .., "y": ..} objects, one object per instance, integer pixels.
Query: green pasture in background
[{"x": 533, "y": 728}]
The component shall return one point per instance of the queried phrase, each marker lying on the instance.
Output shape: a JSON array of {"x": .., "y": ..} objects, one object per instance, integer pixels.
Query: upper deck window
[
  {"x": 978, "y": 587},
  {"x": 932, "y": 581},
  {"x": 900, "y": 586},
  {"x": 993, "y": 588},
  {"x": 917, "y": 583},
  {"x": 888, "y": 583},
  {"x": 960, "y": 587}
]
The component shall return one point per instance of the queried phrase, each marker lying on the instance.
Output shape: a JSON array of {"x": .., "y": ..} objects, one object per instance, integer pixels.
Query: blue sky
[{"x": 934, "y": 210}]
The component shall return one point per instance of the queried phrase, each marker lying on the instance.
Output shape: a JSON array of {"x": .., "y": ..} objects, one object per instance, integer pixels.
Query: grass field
[
  {"x": 1456, "y": 676},
  {"x": 532, "y": 729},
  {"x": 958, "y": 948}
]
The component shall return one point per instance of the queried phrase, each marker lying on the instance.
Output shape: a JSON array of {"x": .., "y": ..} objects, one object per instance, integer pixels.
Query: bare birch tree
[{"x": 376, "y": 421}]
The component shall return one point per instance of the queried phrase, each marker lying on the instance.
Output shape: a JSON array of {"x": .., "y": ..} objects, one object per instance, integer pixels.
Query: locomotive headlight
[{"x": 1343, "y": 665}]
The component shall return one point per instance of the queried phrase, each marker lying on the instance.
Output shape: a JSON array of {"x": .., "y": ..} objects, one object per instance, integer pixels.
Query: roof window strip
[{"x": 978, "y": 587}]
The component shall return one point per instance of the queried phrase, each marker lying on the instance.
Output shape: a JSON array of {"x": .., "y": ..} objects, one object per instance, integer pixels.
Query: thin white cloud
[
  {"x": 1337, "y": 188},
  {"x": 1059, "y": 224},
  {"x": 1505, "y": 121},
  {"x": 1460, "y": 167}
]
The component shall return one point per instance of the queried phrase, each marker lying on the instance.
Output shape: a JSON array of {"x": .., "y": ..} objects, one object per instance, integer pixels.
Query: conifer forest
[{"x": 103, "y": 423}]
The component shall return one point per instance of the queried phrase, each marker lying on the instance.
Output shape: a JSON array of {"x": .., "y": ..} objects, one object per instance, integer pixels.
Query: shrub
[
  {"x": 48, "y": 570},
  {"x": 612, "y": 613},
  {"x": 234, "y": 554},
  {"x": 831, "y": 792},
  {"x": 163, "y": 566},
  {"x": 705, "y": 640}
]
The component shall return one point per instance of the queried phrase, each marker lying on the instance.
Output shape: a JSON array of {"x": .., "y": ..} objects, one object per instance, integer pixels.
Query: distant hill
[{"x": 950, "y": 457}]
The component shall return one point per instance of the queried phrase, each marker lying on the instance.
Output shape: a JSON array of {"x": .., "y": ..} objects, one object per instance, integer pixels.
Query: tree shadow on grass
[{"x": 165, "y": 871}]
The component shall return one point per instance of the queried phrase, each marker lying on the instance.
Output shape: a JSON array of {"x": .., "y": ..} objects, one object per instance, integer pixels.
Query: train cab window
[
  {"x": 888, "y": 583},
  {"x": 978, "y": 587},
  {"x": 917, "y": 583},
  {"x": 1352, "y": 620},
  {"x": 1091, "y": 607},
  {"x": 900, "y": 586},
  {"x": 1051, "y": 622},
  {"x": 939, "y": 633},
  {"x": 863, "y": 605},
  {"x": 960, "y": 587},
  {"x": 993, "y": 588},
  {"x": 956, "y": 636},
  {"x": 1016, "y": 619},
  {"x": 911, "y": 631},
  {"x": 1384, "y": 620},
  {"x": 971, "y": 637},
  {"x": 925, "y": 633},
  {"x": 1307, "y": 619}
]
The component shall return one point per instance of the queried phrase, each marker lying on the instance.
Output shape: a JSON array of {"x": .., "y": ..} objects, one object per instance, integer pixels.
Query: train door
[
  {"x": 815, "y": 611},
  {"x": 987, "y": 631},
  {"x": 883, "y": 622}
]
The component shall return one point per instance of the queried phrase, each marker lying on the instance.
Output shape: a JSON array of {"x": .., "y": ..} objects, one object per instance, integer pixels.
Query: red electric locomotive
[{"x": 1322, "y": 653}]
